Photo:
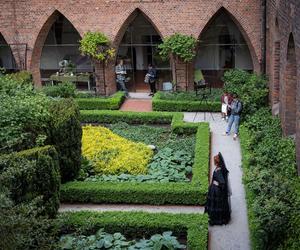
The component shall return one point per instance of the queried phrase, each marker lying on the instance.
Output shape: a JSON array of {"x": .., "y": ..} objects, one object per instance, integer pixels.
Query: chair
[{"x": 199, "y": 82}]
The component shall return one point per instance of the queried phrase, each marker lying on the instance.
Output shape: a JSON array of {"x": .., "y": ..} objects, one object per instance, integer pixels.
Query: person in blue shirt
[{"x": 234, "y": 118}]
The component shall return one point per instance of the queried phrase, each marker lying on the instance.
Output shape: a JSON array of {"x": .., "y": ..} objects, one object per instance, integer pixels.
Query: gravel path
[
  {"x": 130, "y": 208},
  {"x": 234, "y": 236}
]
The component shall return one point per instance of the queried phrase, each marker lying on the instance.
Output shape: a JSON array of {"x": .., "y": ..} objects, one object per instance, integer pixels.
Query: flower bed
[
  {"x": 139, "y": 225},
  {"x": 112, "y": 154},
  {"x": 193, "y": 192},
  {"x": 184, "y": 102},
  {"x": 172, "y": 162}
]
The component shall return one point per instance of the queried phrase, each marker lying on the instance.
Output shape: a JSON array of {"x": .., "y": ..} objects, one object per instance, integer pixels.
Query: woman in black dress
[{"x": 217, "y": 205}]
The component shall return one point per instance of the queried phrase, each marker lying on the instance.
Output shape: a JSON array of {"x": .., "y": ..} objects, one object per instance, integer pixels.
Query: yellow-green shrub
[{"x": 113, "y": 154}]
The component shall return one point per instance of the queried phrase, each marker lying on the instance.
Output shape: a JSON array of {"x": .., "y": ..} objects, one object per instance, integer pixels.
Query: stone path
[
  {"x": 234, "y": 236},
  {"x": 127, "y": 208}
]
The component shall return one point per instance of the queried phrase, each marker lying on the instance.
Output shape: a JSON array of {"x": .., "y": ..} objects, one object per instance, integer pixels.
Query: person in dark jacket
[
  {"x": 152, "y": 73},
  {"x": 218, "y": 198},
  {"x": 234, "y": 118}
]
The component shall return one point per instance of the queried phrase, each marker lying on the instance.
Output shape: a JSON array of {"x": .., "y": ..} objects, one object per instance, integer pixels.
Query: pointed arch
[
  {"x": 289, "y": 90},
  {"x": 118, "y": 38},
  {"x": 39, "y": 43},
  {"x": 136, "y": 43},
  {"x": 7, "y": 58},
  {"x": 242, "y": 30}
]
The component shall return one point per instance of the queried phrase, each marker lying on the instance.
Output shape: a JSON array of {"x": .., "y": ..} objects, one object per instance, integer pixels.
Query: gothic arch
[
  {"x": 118, "y": 38},
  {"x": 7, "y": 58},
  {"x": 39, "y": 43},
  {"x": 254, "y": 57},
  {"x": 289, "y": 90}
]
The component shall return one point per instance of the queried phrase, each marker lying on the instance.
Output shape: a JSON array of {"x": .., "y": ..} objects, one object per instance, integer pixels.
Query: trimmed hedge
[
  {"x": 159, "y": 104},
  {"x": 65, "y": 134},
  {"x": 108, "y": 116},
  {"x": 32, "y": 173},
  {"x": 99, "y": 103},
  {"x": 271, "y": 183},
  {"x": 140, "y": 224},
  {"x": 150, "y": 193}
]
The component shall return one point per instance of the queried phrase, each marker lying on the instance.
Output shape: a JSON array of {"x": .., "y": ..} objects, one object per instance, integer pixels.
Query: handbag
[{"x": 147, "y": 79}]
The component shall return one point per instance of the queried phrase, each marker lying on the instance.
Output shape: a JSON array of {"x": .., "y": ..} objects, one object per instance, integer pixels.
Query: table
[{"x": 75, "y": 78}]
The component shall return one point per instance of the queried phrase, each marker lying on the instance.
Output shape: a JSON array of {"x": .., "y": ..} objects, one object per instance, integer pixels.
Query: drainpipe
[{"x": 264, "y": 37}]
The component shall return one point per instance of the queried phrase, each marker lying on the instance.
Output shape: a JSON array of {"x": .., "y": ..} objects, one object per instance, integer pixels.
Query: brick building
[
  {"x": 283, "y": 64},
  {"x": 255, "y": 35}
]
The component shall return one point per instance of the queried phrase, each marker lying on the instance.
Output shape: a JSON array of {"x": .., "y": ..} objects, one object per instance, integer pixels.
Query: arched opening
[
  {"x": 7, "y": 60},
  {"x": 62, "y": 47},
  {"x": 222, "y": 47},
  {"x": 276, "y": 65},
  {"x": 138, "y": 49},
  {"x": 290, "y": 90}
]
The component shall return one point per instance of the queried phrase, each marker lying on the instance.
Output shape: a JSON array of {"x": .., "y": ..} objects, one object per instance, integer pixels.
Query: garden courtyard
[{"x": 80, "y": 171}]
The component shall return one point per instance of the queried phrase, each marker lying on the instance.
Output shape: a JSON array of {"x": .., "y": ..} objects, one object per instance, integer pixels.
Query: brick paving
[{"x": 137, "y": 105}]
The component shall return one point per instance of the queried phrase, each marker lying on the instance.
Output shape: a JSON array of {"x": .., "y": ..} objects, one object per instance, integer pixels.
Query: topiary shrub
[
  {"x": 65, "y": 134},
  {"x": 64, "y": 90},
  {"x": 30, "y": 174}
]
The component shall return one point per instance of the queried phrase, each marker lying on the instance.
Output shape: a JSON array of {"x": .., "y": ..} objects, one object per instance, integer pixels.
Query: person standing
[
  {"x": 218, "y": 199},
  {"x": 121, "y": 76},
  {"x": 152, "y": 73},
  {"x": 234, "y": 118},
  {"x": 226, "y": 101}
]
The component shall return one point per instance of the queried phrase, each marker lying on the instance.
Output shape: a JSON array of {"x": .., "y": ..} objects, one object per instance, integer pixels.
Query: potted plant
[{"x": 179, "y": 47}]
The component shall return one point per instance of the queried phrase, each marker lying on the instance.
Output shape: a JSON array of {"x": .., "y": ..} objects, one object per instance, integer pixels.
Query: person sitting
[{"x": 218, "y": 198}]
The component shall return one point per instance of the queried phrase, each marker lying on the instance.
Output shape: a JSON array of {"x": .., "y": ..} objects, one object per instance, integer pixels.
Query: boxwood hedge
[
  {"x": 150, "y": 193},
  {"x": 140, "y": 224},
  {"x": 159, "y": 104},
  {"x": 32, "y": 173},
  {"x": 96, "y": 103}
]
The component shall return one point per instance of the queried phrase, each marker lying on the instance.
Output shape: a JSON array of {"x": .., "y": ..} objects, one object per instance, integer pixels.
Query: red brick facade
[
  {"x": 283, "y": 64},
  {"x": 28, "y": 21}
]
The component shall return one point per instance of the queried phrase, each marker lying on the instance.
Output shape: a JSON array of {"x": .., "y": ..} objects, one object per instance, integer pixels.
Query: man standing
[
  {"x": 121, "y": 76},
  {"x": 152, "y": 79},
  {"x": 236, "y": 109}
]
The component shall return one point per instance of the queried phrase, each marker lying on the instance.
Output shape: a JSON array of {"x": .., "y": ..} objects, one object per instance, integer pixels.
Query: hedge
[
  {"x": 32, "y": 173},
  {"x": 108, "y": 116},
  {"x": 271, "y": 183},
  {"x": 99, "y": 103},
  {"x": 140, "y": 224},
  {"x": 159, "y": 104},
  {"x": 65, "y": 134},
  {"x": 150, "y": 193}
]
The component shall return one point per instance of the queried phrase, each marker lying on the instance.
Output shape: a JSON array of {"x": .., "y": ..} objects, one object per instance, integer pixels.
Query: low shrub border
[
  {"x": 109, "y": 116},
  {"x": 150, "y": 193},
  {"x": 271, "y": 183},
  {"x": 140, "y": 224},
  {"x": 96, "y": 103},
  {"x": 159, "y": 104}
]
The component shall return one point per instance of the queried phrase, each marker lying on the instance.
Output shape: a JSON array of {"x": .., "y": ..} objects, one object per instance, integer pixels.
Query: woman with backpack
[{"x": 234, "y": 118}]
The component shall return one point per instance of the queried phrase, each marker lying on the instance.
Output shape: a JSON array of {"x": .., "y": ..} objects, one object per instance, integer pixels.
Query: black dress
[{"x": 217, "y": 205}]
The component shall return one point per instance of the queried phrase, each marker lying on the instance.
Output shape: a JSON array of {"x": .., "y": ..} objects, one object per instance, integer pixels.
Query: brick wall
[
  {"x": 283, "y": 60},
  {"x": 28, "y": 21}
]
